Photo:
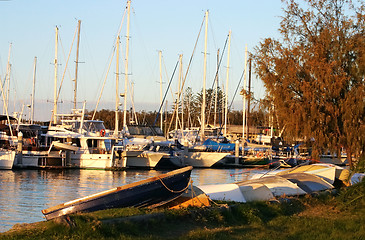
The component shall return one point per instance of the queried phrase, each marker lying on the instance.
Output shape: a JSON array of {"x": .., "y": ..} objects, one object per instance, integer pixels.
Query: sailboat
[
  {"x": 7, "y": 145},
  {"x": 197, "y": 155},
  {"x": 72, "y": 141},
  {"x": 136, "y": 149},
  {"x": 155, "y": 150},
  {"x": 85, "y": 143},
  {"x": 7, "y": 141}
]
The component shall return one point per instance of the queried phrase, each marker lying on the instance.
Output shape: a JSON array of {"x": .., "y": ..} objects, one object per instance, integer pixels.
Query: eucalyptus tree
[
  {"x": 315, "y": 72},
  {"x": 210, "y": 109}
]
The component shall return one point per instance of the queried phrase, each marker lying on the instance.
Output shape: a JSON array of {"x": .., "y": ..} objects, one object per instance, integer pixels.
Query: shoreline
[{"x": 326, "y": 216}]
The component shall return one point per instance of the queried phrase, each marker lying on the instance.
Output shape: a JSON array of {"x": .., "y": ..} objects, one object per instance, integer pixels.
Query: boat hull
[
  {"x": 7, "y": 159},
  {"x": 154, "y": 191},
  {"x": 171, "y": 162},
  {"x": 327, "y": 172},
  {"x": 146, "y": 159},
  {"x": 204, "y": 159},
  {"x": 92, "y": 161}
]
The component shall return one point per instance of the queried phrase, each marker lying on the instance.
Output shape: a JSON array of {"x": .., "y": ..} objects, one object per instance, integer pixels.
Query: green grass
[{"x": 326, "y": 216}]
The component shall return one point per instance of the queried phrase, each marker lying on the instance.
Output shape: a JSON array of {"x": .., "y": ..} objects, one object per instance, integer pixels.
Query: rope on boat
[
  {"x": 270, "y": 171},
  {"x": 173, "y": 191},
  {"x": 194, "y": 195}
]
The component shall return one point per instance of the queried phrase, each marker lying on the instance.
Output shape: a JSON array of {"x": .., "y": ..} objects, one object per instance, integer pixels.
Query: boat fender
[{"x": 102, "y": 132}]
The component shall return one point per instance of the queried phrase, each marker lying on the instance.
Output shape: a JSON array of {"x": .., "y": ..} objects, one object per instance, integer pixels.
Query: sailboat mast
[
  {"x": 55, "y": 80},
  {"x": 8, "y": 70},
  {"x": 227, "y": 81},
  {"x": 160, "y": 62},
  {"x": 116, "y": 130},
  {"x": 216, "y": 91},
  {"x": 182, "y": 93},
  {"x": 178, "y": 92},
  {"x": 126, "y": 65},
  {"x": 5, "y": 107},
  {"x": 134, "y": 115},
  {"x": 204, "y": 78},
  {"x": 77, "y": 61},
  {"x": 33, "y": 92},
  {"x": 249, "y": 98},
  {"x": 189, "y": 111},
  {"x": 244, "y": 98}
]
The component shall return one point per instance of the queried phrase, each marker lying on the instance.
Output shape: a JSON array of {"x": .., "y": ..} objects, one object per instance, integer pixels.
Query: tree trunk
[{"x": 349, "y": 157}]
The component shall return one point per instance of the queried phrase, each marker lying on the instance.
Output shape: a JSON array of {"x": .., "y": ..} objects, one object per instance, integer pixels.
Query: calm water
[{"x": 24, "y": 193}]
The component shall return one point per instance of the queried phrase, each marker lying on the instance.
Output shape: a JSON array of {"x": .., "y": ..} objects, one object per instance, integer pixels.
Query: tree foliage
[{"x": 314, "y": 74}]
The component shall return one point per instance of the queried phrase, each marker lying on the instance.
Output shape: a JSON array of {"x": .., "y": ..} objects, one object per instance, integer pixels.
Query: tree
[
  {"x": 209, "y": 105},
  {"x": 315, "y": 73},
  {"x": 193, "y": 103}
]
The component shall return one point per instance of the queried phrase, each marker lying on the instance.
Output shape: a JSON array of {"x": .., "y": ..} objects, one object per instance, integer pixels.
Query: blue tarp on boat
[{"x": 219, "y": 147}]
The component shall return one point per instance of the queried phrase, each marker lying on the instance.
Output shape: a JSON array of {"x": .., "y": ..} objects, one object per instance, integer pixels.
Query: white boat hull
[
  {"x": 92, "y": 161},
  {"x": 30, "y": 159},
  {"x": 238, "y": 193},
  {"x": 77, "y": 160},
  {"x": 278, "y": 186},
  {"x": 223, "y": 192},
  {"x": 327, "y": 172},
  {"x": 146, "y": 159},
  {"x": 204, "y": 159},
  {"x": 7, "y": 159}
]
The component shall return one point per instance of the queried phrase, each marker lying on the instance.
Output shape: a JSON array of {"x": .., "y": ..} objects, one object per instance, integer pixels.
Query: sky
[{"x": 160, "y": 25}]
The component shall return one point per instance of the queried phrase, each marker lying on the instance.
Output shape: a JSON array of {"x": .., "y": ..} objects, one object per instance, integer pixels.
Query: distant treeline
[
  {"x": 189, "y": 113},
  {"x": 256, "y": 118}
]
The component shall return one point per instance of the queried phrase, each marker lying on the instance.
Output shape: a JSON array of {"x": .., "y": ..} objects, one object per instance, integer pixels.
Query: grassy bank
[{"x": 327, "y": 216}]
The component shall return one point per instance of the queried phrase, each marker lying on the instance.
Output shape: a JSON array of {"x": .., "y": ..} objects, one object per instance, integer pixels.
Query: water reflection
[{"x": 24, "y": 193}]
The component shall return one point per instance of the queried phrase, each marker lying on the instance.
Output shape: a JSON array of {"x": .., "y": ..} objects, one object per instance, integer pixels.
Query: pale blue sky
[{"x": 170, "y": 26}]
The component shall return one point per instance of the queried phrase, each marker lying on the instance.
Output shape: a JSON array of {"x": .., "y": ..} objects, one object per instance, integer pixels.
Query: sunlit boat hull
[
  {"x": 154, "y": 191},
  {"x": 146, "y": 159},
  {"x": 203, "y": 159},
  {"x": 7, "y": 159}
]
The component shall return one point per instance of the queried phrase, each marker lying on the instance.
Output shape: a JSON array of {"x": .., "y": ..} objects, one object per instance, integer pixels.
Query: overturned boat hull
[{"x": 151, "y": 192}]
